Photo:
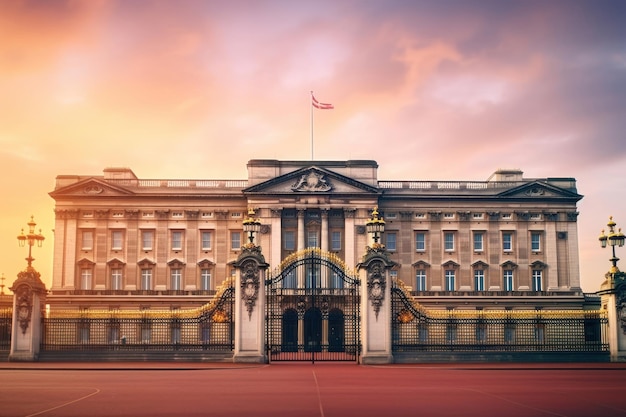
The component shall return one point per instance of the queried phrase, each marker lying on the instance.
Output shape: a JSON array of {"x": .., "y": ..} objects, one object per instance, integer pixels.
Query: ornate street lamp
[
  {"x": 31, "y": 239},
  {"x": 375, "y": 226},
  {"x": 251, "y": 226},
  {"x": 613, "y": 239}
]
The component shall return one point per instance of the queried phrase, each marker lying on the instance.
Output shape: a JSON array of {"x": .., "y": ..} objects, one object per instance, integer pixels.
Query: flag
[{"x": 321, "y": 106}]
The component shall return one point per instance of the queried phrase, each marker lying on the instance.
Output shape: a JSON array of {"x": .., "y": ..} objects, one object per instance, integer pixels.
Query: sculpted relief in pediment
[{"x": 312, "y": 182}]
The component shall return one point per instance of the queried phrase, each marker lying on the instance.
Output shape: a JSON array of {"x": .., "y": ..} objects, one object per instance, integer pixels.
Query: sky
[{"x": 432, "y": 90}]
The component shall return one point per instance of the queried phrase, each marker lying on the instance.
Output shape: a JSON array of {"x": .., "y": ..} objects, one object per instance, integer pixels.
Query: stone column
[
  {"x": 249, "y": 309},
  {"x": 301, "y": 245},
  {"x": 29, "y": 297},
  {"x": 376, "y": 306}
]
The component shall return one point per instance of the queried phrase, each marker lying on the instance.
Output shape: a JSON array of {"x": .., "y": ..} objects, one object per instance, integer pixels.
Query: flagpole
[{"x": 311, "y": 106}]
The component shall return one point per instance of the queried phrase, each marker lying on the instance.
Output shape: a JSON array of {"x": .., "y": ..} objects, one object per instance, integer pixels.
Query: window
[
  {"x": 478, "y": 216},
  {"x": 448, "y": 241},
  {"x": 335, "y": 241},
  {"x": 289, "y": 240},
  {"x": 420, "y": 242},
  {"x": 311, "y": 239},
  {"x": 146, "y": 279},
  {"x": 289, "y": 281},
  {"x": 448, "y": 216},
  {"x": 147, "y": 239},
  {"x": 313, "y": 277},
  {"x": 423, "y": 333},
  {"x": 176, "y": 278},
  {"x": 540, "y": 333},
  {"x": 116, "y": 239},
  {"x": 177, "y": 215},
  {"x": 506, "y": 216},
  {"x": 391, "y": 241},
  {"x": 87, "y": 240},
  {"x": 114, "y": 333},
  {"x": 147, "y": 214},
  {"x": 535, "y": 242},
  {"x": 175, "y": 333},
  {"x": 478, "y": 241},
  {"x": 85, "y": 278},
  {"x": 393, "y": 275},
  {"x": 177, "y": 240},
  {"x": 235, "y": 240},
  {"x": 451, "y": 333},
  {"x": 84, "y": 330},
  {"x": 537, "y": 284},
  {"x": 479, "y": 280},
  {"x": 507, "y": 241},
  {"x": 480, "y": 332},
  {"x": 508, "y": 280},
  {"x": 205, "y": 279},
  {"x": 116, "y": 278},
  {"x": 450, "y": 279},
  {"x": 205, "y": 236},
  {"x": 118, "y": 214},
  {"x": 146, "y": 331},
  {"x": 420, "y": 280},
  {"x": 335, "y": 280},
  {"x": 207, "y": 214},
  {"x": 509, "y": 333}
]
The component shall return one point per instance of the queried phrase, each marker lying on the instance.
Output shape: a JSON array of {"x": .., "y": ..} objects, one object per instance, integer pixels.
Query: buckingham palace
[{"x": 506, "y": 243}]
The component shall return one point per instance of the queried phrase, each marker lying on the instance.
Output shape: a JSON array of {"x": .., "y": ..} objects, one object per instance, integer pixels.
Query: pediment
[
  {"x": 311, "y": 180},
  {"x": 480, "y": 265},
  {"x": 90, "y": 187},
  {"x": 538, "y": 190}
]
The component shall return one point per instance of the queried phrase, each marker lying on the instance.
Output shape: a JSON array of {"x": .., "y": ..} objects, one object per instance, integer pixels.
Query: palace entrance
[{"x": 312, "y": 309}]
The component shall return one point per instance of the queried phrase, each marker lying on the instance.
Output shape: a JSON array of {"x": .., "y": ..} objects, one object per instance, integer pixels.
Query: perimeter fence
[{"x": 415, "y": 329}]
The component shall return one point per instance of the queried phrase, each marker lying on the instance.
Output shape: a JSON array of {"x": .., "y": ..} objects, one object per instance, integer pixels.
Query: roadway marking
[
  {"x": 97, "y": 391},
  {"x": 319, "y": 397}
]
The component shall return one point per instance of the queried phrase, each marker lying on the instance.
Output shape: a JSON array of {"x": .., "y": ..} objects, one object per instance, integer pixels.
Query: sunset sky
[{"x": 428, "y": 89}]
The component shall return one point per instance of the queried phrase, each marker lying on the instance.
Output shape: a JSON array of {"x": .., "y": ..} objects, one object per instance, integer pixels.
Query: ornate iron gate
[{"x": 312, "y": 310}]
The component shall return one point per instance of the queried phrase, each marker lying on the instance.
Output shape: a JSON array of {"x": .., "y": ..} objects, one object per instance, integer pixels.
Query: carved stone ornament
[
  {"x": 621, "y": 307},
  {"x": 93, "y": 189},
  {"x": 301, "y": 307},
  {"x": 312, "y": 182},
  {"x": 535, "y": 192},
  {"x": 376, "y": 285},
  {"x": 24, "y": 306},
  {"x": 249, "y": 285}
]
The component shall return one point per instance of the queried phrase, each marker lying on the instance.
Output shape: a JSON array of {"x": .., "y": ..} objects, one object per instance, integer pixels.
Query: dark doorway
[{"x": 313, "y": 330}]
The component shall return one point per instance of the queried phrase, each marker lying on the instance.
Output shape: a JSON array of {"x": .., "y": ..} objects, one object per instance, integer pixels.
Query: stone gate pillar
[
  {"x": 376, "y": 306},
  {"x": 29, "y": 297},
  {"x": 613, "y": 300},
  {"x": 249, "y": 308}
]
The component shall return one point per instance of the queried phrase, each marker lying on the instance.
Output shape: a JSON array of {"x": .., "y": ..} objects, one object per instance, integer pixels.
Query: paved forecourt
[{"x": 324, "y": 390}]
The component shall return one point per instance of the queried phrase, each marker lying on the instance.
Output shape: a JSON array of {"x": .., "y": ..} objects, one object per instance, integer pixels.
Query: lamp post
[
  {"x": 251, "y": 226},
  {"x": 375, "y": 226},
  {"x": 613, "y": 239},
  {"x": 31, "y": 239}
]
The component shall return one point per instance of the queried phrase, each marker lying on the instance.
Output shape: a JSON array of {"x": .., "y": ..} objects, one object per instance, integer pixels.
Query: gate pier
[
  {"x": 250, "y": 305},
  {"x": 376, "y": 305}
]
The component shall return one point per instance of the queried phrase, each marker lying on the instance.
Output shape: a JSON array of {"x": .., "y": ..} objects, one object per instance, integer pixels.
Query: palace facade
[{"x": 122, "y": 242}]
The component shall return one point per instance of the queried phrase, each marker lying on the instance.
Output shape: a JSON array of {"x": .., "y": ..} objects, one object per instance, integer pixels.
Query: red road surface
[{"x": 320, "y": 390}]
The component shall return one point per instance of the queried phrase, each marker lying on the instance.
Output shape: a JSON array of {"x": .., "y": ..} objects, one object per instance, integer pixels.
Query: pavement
[{"x": 189, "y": 389}]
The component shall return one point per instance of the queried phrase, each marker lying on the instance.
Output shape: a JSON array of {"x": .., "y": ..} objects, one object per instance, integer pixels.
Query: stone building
[{"x": 122, "y": 242}]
